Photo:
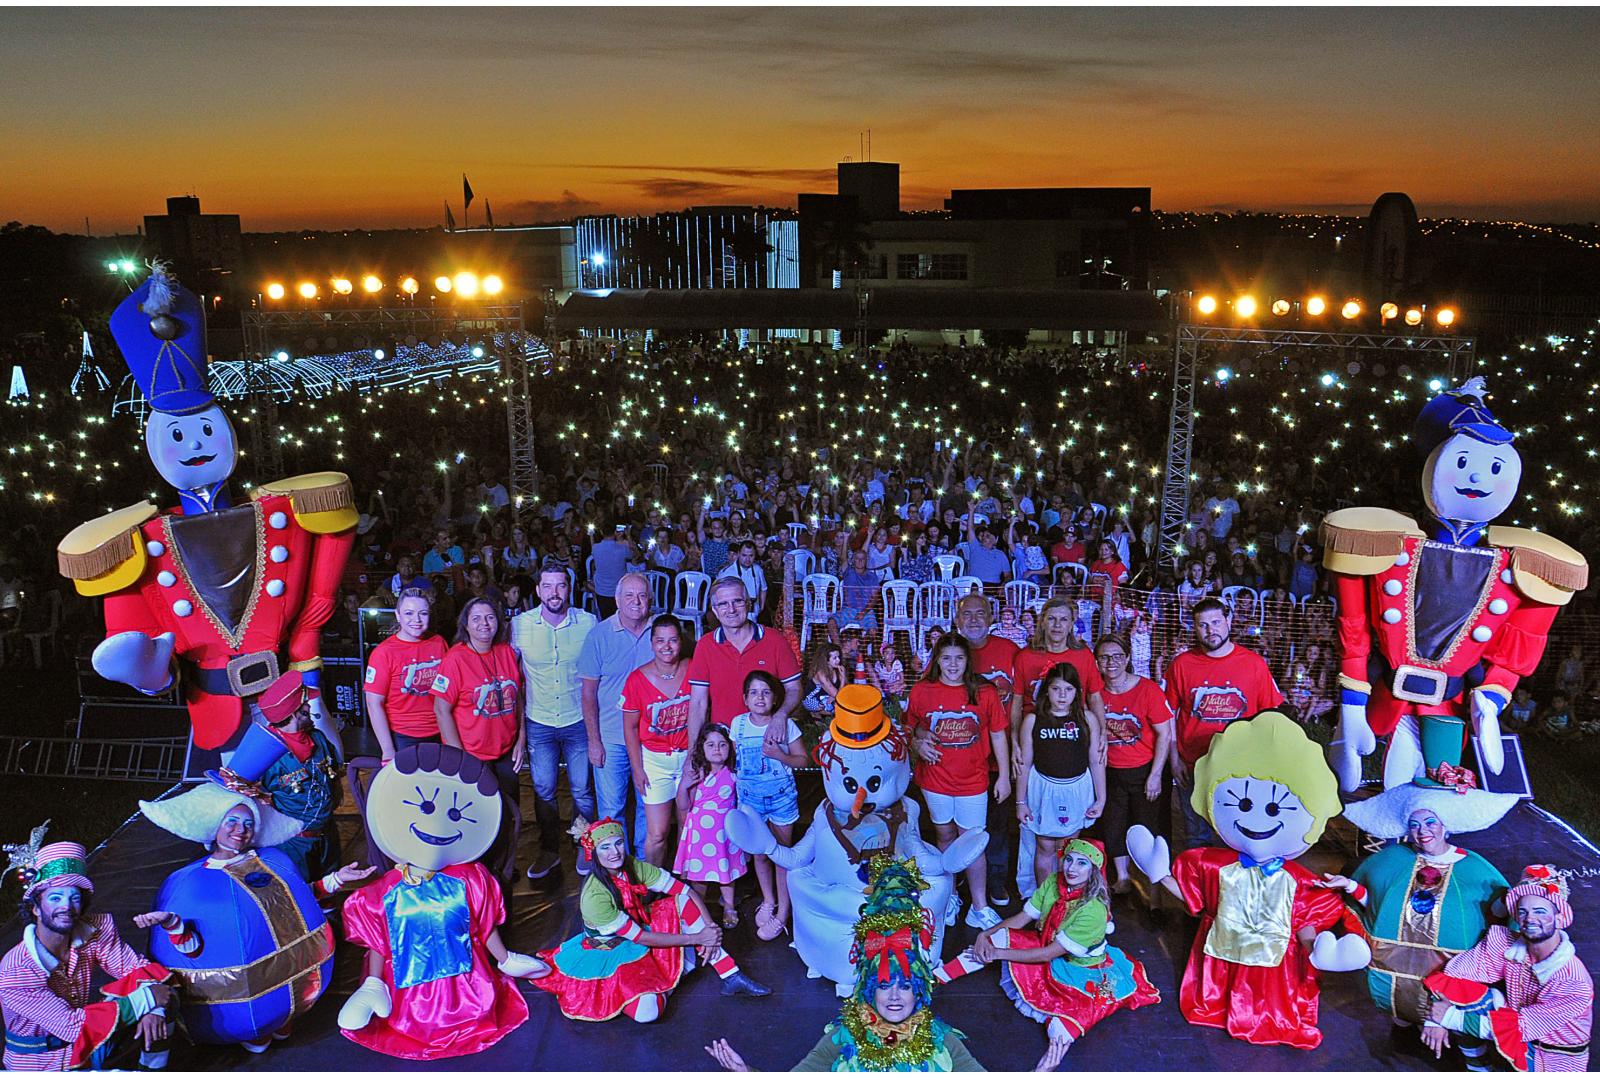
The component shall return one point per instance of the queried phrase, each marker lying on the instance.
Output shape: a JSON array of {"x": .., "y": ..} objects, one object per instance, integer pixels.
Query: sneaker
[
  {"x": 982, "y": 918},
  {"x": 259, "y": 1047},
  {"x": 740, "y": 983},
  {"x": 547, "y": 863},
  {"x": 999, "y": 896},
  {"x": 952, "y": 909}
]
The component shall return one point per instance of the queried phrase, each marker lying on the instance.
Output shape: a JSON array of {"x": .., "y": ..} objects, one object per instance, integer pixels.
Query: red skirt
[
  {"x": 596, "y": 983},
  {"x": 1096, "y": 991}
]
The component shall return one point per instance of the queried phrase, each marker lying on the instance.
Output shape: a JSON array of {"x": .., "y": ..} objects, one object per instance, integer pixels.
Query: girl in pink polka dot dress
[{"x": 705, "y": 796}]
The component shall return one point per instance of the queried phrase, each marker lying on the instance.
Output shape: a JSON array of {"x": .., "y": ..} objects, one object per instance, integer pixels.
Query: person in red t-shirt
[
  {"x": 1069, "y": 548},
  {"x": 1210, "y": 686},
  {"x": 1107, "y": 567},
  {"x": 725, "y": 657},
  {"x": 1054, "y": 642},
  {"x": 1138, "y": 743},
  {"x": 956, "y": 724},
  {"x": 993, "y": 657},
  {"x": 477, "y": 691},
  {"x": 399, "y": 675},
  {"x": 655, "y": 726}
]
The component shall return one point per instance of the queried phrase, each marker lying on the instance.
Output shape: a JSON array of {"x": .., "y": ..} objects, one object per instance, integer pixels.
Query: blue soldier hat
[
  {"x": 161, "y": 329},
  {"x": 1459, "y": 410},
  {"x": 258, "y": 748}
]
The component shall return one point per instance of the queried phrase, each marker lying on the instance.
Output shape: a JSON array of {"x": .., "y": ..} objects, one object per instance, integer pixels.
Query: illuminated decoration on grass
[
  {"x": 19, "y": 385},
  {"x": 89, "y": 376}
]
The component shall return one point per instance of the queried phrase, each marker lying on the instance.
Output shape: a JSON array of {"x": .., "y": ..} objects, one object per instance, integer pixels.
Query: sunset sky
[{"x": 368, "y": 117}]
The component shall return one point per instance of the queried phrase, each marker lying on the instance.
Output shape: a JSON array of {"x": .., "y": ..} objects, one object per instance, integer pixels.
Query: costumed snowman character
[
  {"x": 240, "y": 929},
  {"x": 866, "y": 769},
  {"x": 1265, "y": 921},
  {"x": 1437, "y": 625},
  {"x": 439, "y": 981},
  {"x": 224, "y": 597}
]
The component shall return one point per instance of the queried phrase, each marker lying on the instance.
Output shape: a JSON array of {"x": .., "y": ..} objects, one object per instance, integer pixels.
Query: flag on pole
[
  {"x": 466, "y": 193},
  {"x": 449, "y": 219},
  {"x": 488, "y": 213}
]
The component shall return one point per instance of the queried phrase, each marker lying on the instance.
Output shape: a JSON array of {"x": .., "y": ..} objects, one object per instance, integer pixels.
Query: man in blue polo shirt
[
  {"x": 985, "y": 560},
  {"x": 614, "y": 648}
]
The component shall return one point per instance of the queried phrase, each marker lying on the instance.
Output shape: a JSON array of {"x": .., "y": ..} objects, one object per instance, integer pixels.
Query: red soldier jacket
[
  {"x": 245, "y": 590},
  {"x": 1421, "y": 622}
]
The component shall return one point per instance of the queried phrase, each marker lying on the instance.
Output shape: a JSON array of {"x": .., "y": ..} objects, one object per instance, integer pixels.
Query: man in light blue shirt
[
  {"x": 985, "y": 561},
  {"x": 610, "y": 556},
  {"x": 613, "y": 649}
]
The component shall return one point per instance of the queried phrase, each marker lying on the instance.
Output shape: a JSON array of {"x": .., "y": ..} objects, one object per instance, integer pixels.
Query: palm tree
[
  {"x": 747, "y": 243},
  {"x": 648, "y": 254}
]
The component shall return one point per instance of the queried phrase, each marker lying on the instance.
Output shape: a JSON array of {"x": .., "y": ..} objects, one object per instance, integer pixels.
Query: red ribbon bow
[
  {"x": 897, "y": 945},
  {"x": 1458, "y": 777}
]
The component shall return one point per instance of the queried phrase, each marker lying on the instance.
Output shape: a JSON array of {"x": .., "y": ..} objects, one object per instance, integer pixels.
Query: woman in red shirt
[
  {"x": 477, "y": 694},
  {"x": 1108, "y": 564},
  {"x": 399, "y": 674},
  {"x": 1139, "y": 733},
  {"x": 956, "y": 724},
  {"x": 655, "y": 725}
]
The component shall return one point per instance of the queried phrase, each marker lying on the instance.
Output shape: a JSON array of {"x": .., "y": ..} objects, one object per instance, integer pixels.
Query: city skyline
[{"x": 346, "y": 118}]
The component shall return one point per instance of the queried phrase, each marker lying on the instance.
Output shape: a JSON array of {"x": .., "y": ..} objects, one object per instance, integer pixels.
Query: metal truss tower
[{"x": 1190, "y": 338}]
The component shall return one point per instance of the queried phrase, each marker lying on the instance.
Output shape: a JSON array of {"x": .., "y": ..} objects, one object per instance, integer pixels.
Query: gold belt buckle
[
  {"x": 1437, "y": 680},
  {"x": 252, "y": 673}
]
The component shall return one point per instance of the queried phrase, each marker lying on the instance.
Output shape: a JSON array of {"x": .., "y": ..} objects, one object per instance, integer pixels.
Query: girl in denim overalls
[{"x": 768, "y": 751}]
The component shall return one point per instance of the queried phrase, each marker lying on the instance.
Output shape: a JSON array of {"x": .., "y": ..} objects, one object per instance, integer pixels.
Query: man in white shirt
[{"x": 744, "y": 568}]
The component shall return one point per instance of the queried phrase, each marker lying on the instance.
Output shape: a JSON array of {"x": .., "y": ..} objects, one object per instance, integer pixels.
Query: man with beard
[
  {"x": 1524, "y": 989},
  {"x": 53, "y": 1020},
  {"x": 1212, "y": 684}
]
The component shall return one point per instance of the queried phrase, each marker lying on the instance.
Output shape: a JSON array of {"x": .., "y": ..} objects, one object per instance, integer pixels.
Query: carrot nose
[{"x": 861, "y": 797}]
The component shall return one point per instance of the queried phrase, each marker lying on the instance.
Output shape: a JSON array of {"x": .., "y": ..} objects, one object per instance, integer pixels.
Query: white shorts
[
  {"x": 967, "y": 811},
  {"x": 663, "y": 771},
  {"x": 1058, "y": 806}
]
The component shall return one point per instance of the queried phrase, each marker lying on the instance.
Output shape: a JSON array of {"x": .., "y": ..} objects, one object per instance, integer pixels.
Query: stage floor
[{"x": 775, "y": 1032}]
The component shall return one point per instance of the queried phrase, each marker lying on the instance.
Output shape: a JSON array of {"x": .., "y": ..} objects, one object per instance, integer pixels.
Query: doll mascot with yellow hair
[{"x": 1265, "y": 921}]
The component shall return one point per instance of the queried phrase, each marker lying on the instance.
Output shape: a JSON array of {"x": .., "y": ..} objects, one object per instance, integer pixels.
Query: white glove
[
  {"x": 136, "y": 659},
  {"x": 1404, "y": 762},
  {"x": 1355, "y": 742},
  {"x": 749, "y": 833},
  {"x": 327, "y": 725},
  {"x": 963, "y": 851},
  {"x": 370, "y": 999},
  {"x": 1149, "y": 853},
  {"x": 522, "y": 966},
  {"x": 1486, "y": 722},
  {"x": 1348, "y": 953}
]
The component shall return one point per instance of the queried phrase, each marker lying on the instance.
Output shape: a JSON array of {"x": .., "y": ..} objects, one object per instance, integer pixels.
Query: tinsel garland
[{"x": 907, "y": 1046}]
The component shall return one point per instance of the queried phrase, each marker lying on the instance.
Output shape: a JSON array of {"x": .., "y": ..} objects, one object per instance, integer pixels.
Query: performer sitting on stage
[
  {"x": 243, "y": 934},
  {"x": 1058, "y": 969},
  {"x": 887, "y": 1023},
  {"x": 1523, "y": 989},
  {"x": 1422, "y": 901},
  {"x": 633, "y": 950},
  {"x": 304, "y": 782},
  {"x": 53, "y": 1020}
]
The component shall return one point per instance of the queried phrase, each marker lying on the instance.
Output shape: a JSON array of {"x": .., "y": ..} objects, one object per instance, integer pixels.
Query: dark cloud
[
  {"x": 569, "y": 205},
  {"x": 675, "y": 187}
]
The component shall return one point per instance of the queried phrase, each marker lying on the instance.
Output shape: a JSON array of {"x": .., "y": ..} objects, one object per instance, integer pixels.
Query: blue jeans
[
  {"x": 1197, "y": 831},
  {"x": 613, "y": 783},
  {"x": 547, "y": 748}
]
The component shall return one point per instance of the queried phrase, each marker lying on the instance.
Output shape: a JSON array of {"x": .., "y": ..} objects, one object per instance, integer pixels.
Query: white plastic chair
[
  {"x": 1099, "y": 510},
  {"x": 899, "y": 607},
  {"x": 690, "y": 592},
  {"x": 965, "y": 585},
  {"x": 936, "y": 603},
  {"x": 1075, "y": 570},
  {"x": 805, "y": 563},
  {"x": 949, "y": 567},
  {"x": 1019, "y": 594},
  {"x": 660, "y": 589},
  {"x": 820, "y": 598}
]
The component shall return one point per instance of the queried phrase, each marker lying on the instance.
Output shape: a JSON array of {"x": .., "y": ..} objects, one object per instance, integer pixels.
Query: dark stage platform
[{"x": 775, "y": 1032}]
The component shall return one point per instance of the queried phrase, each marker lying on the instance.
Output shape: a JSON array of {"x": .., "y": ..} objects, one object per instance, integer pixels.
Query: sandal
[
  {"x": 767, "y": 925},
  {"x": 730, "y": 918}
]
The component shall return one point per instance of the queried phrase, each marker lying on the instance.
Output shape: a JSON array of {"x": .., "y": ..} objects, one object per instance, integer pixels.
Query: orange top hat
[{"x": 858, "y": 717}]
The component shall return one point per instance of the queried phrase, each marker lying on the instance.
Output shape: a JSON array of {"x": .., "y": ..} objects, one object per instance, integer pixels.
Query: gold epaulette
[
  {"x": 1543, "y": 568},
  {"x": 323, "y": 501},
  {"x": 106, "y": 554},
  {"x": 1364, "y": 540}
]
